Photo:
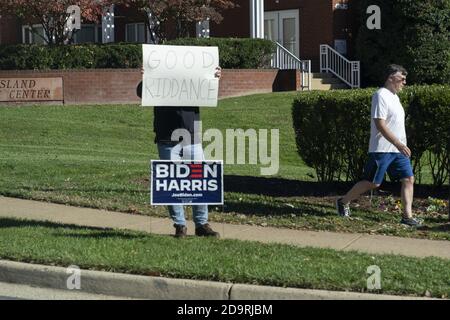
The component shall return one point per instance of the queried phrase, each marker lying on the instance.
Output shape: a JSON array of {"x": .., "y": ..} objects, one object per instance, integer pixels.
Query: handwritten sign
[
  {"x": 31, "y": 89},
  {"x": 180, "y": 76}
]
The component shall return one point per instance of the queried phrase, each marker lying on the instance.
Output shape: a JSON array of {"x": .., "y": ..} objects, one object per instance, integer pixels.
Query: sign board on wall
[
  {"x": 31, "y": 89},
  {"x": 180, "y": 76}
]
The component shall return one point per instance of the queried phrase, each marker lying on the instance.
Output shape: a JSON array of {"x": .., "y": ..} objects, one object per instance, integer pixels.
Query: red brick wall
[
  {"x": 91, "y": 86},
  {"x": 10, "y": 30},
  {"x": 343, "y": 25},
  {"x": 117, "y": 86},
  {"x": 236, "y": 82},
  {"x": 235, "y": 23},
  {"x": 316, "y": 24}
]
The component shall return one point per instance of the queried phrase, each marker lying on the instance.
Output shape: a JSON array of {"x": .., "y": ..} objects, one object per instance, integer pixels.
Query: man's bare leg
[
  {"x": 357, "y": 190},
  {"x": 407, "y": 193}
]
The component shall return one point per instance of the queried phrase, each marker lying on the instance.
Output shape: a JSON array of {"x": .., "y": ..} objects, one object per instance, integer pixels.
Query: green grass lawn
[
  {"x": 98, "y": 156},
  {"x": 218, "y": 260}
]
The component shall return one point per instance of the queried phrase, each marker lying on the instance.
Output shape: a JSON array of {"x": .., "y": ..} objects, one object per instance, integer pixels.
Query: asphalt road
[{"x": 9, "y": 291}]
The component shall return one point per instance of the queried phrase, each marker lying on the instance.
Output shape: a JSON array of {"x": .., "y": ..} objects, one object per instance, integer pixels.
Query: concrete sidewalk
[{"x": 19, "y": 208}]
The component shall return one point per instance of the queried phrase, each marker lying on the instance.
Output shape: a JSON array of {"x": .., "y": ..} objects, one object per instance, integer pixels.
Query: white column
[{"x": 257, "y": 19}]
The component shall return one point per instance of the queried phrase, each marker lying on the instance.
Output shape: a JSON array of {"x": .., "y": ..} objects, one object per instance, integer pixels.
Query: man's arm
[{"x": 381, "y": 126}]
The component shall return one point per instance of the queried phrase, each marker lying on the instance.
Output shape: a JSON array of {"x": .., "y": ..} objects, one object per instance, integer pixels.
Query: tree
[
  {"x": 413, "y": 33},
  {"x": 52, "y": 15},
  {"x": 184, "y": 12}
]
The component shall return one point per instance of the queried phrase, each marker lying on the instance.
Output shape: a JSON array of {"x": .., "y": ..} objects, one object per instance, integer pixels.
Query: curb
[{"x": 159, "y": 288}]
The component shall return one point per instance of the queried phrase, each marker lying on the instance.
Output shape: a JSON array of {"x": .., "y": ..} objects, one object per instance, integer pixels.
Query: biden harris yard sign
[
  {"x": 175, "y": 182},
  {"x": 180, "y": 76}
]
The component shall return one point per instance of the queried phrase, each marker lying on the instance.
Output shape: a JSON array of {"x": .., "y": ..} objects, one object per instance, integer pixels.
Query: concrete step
[
  {"x": 322, "y": 75},
  {"x": 327, "y": 80},
  {"x": 327, "y": 84}
]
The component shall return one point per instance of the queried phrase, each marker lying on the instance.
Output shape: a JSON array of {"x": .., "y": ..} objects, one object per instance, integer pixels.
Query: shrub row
[
  {"x": 86, "y": 56},
  {"x": 333, "y": 128},
  {"x": 234, "y": 53}
]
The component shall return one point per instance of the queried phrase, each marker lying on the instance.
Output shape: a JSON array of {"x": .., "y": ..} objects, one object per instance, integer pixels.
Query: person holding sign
[{"x": 167, "y": 120}]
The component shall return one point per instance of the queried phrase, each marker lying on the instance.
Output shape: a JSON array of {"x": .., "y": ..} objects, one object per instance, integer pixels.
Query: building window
[
  {"x": 29, "y": 37},
  {"x": 89, "y": 33},
  {"x": 283, "y": 27},
  {"x": 135, "y": 32}
]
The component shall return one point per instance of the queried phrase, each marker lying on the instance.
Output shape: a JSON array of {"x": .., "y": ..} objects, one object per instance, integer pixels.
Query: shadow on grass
[
  {"x": 265, "y": 209},
  {"x": 71, "y": 230},
  {"x": 80, "y": 189},
  {"x": 300, "y": 209},
  {"x": 279, "y": 187},
  {"x": 19, "y": 223},
  {"x": 436, "y": 228},
  {"x": 99, "y": 235}
]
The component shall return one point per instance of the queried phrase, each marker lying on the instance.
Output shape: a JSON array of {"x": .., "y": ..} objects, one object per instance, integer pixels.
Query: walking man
[{"x": 388, "y": 151}]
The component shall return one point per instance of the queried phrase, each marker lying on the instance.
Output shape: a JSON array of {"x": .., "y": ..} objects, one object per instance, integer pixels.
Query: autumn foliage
[
  {"x": 182, "y": 12},
  {"x": 52, "y": 14}
]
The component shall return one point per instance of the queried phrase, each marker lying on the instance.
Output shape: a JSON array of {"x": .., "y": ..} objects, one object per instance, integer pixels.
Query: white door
[{"x": 283, "y": 27}]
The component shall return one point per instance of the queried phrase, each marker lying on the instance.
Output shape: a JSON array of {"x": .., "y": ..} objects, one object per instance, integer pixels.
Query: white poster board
[{"x": 180, "y": 76}]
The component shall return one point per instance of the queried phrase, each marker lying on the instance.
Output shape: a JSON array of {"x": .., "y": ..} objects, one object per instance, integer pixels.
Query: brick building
[{"x": 299, "y": 25}]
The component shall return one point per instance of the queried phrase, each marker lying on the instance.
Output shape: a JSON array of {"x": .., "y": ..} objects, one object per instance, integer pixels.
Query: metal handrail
[
  {"x": 332, "y": 61},
  {"x": 283, "y": 59}
]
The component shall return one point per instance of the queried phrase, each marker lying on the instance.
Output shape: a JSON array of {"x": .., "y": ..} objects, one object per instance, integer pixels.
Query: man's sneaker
[
  {"x": 206, "y": 231},
  {"x": 342, "y": 209},
  {"x": 180, "y": 231},
  {"x": 412, "y": 222}
]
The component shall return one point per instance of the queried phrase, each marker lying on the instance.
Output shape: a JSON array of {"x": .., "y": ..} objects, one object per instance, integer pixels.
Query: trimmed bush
[
  {"x": 333, "y": 129},
  {"x": 429, "y": 130},
  {"x": 86, "y": 56},
  {"x": 23, "y": 57},
  {"x": 119, "y": 56},
  {"x": 234, "y": 53}
]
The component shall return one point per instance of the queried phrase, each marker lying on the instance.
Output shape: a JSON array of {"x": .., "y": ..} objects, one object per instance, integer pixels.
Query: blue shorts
[{"x": 397, "y": 165}]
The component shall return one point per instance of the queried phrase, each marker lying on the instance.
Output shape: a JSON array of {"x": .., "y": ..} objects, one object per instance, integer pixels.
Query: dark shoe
[
  {"x": 412, "y": 222},
  {"x": 342, "y": 209},
  {"x": 180, "y": 231},
  {"x": 206, "y": 231}
]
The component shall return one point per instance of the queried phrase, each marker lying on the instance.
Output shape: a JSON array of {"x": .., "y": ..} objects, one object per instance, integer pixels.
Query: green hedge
[
  {"x": 234, "y": 53},
  {"x": 86, "y": 56},
  {"x": 333, "y": 128}
]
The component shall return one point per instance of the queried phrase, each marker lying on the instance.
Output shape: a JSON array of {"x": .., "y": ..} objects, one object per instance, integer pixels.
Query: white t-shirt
[{"x": 386, "y": 105}]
